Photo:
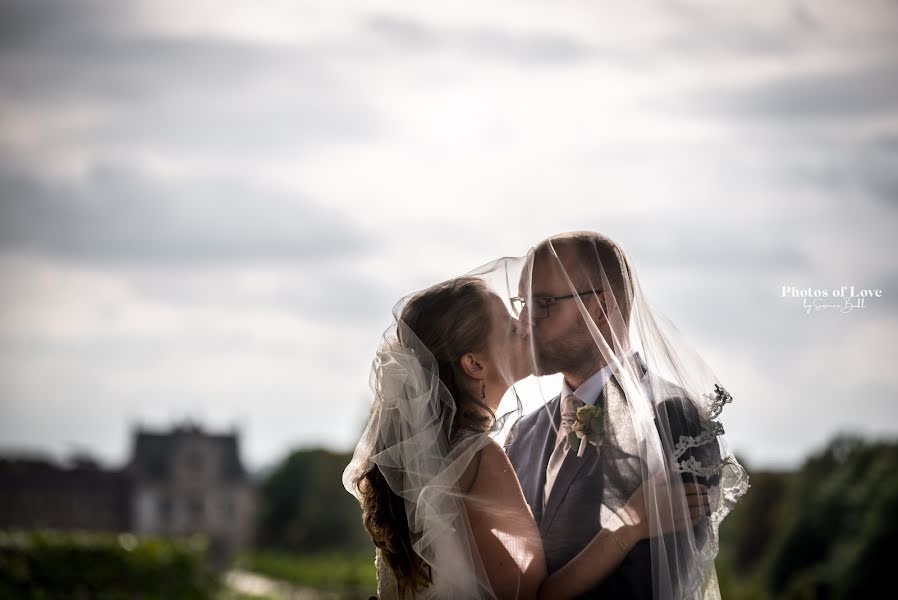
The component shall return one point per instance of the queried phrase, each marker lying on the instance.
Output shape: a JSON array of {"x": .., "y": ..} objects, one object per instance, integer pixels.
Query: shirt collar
[{"x": 590, "y": 389}]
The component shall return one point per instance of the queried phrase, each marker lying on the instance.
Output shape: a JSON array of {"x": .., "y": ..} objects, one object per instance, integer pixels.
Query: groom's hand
[{"x": 674, "y": 509}]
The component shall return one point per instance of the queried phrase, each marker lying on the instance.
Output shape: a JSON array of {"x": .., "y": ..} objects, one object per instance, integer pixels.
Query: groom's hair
[{"x": 594, "y": 255}]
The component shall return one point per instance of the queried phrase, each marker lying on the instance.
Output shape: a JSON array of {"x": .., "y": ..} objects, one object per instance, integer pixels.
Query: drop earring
[{"x": 483, "y": 390}]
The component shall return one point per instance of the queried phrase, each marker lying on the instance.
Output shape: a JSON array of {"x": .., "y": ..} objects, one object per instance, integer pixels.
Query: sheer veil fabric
[
  {"x": 658, "y": 414},
  {"x": 408, "y": 436},
  {"x": 580, "y": 307}
]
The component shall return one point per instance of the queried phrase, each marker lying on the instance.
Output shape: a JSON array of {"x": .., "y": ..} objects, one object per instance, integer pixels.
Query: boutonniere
[{"x": 586, "y": 429}]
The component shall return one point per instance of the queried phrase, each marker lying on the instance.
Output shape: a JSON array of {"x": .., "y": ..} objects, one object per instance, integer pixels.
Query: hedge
[{"x": 78, "y": 565}]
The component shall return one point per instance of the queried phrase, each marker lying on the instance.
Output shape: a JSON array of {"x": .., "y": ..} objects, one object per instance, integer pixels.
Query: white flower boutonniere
[{"x": 587, "y": 429}]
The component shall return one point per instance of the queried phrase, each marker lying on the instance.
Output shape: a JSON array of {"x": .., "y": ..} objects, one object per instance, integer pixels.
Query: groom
[{"x": 566, "y": 492}]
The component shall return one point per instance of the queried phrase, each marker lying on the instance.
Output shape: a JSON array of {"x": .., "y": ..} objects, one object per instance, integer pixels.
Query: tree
[{"x": 304, "y": 507}]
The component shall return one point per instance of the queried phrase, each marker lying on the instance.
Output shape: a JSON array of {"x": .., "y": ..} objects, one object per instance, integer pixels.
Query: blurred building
[
  {"x": 38, "y": 494},
  {"x": 187, "y": 481},
  {"x": 177, "y": 483}
]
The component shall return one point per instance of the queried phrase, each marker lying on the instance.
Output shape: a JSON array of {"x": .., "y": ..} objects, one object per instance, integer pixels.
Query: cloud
[
  {"x": 136, "y": 88},
  {"x": 27, "y": 23},
  {"x": 864, "y": 92},
  {"x": 530, "y": 49},
  {"x": 215, "y": 212},
  {"x": 116, "y": 214}
]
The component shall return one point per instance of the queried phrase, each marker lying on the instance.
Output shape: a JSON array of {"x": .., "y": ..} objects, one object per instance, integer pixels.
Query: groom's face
[{"x": 561, "y": 342}]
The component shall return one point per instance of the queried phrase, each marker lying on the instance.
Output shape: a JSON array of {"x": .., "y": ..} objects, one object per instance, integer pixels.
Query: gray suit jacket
[{"x": 570, "y": 519}]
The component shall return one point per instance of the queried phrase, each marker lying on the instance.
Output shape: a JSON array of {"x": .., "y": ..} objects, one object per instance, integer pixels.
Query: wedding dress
[{"x": 405, "y": 437}]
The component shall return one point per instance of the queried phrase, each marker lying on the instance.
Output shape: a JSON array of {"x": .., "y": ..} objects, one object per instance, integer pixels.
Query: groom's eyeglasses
[{"x": 539, "y": 307}]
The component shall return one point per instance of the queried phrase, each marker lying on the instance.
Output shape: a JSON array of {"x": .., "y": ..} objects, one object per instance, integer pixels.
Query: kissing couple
[{"x": 613, "y": 485}]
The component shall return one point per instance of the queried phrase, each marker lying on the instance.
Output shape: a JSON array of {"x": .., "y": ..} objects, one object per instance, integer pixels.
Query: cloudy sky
[{"x": 208, "y": 209}]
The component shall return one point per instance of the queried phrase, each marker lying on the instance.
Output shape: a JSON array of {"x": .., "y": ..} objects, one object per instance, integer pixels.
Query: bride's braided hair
[{"x": 451, "y": 319}]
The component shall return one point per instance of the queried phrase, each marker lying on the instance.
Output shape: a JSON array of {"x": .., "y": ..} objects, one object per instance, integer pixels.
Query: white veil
[
  {"x": 659, "y": 411},
  {"x": 409, "y": 437}
]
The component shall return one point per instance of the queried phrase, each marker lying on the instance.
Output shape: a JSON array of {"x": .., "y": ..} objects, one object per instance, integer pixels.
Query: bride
[{"x": 439, "y": 496}]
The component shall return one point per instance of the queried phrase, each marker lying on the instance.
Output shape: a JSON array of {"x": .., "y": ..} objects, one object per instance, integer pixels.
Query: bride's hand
[{"x": 675, "y": 510}]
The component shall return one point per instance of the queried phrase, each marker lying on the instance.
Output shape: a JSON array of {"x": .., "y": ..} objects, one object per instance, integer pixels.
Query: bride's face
[{"x": 509, "y": 345}]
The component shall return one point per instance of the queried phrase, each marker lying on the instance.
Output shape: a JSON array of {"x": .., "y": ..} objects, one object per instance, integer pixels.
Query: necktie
[{"x": 569, "y": 406}]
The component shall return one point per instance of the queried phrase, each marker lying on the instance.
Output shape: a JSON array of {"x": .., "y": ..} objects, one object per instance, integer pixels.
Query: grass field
[{"x": 346, "y": 575}]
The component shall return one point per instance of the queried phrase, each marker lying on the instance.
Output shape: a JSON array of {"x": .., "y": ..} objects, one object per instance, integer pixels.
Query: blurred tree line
[
  {"x": 304, "y": 509},
  {"x": 824, "y": 531}
]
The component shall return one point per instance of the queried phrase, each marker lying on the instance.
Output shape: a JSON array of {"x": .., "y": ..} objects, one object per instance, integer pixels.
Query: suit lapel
[
  {"x": 574, "y": 465},
  {"x": 570, "y": 468}
]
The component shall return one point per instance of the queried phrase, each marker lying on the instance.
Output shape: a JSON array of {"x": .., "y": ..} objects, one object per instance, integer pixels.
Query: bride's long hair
[{"x": 451, "y": 319}]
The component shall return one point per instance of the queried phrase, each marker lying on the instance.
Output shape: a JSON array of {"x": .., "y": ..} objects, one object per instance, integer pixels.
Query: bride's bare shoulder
[{"x": 494, "y": 475}]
